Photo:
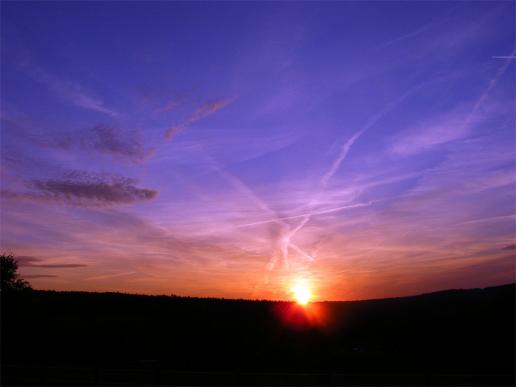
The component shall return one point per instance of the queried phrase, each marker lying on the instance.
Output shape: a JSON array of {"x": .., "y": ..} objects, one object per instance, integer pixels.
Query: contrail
[
  {"x": 321, "y": 212},
  {"x": 489, "y": 219},
  {"x": 258, "y": 202},
  {"x": 492, "y": 83},
  {"x": 284, "y": 242},
  {"x": 345, "y": 148},
  {"x": 342, "y": 155},
  {"x": 433, "y": 23},
  {"x": 244, "y": 188}
]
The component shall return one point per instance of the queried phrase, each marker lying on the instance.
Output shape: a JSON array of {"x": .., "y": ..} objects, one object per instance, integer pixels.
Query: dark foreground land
[{"x": 457, "y": 337}]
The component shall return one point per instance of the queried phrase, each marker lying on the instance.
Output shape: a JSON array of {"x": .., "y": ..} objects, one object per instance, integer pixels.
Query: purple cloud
[
  {"x": 84, "y": 189},
  {"x": 202, "y": 111},
  {"x": 108, "y": 140}
]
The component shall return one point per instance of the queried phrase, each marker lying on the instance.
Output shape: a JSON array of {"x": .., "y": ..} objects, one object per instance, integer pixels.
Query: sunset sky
[{"x": 235, "y": 149}]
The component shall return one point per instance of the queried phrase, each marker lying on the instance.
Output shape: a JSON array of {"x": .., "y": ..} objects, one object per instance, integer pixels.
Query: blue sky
[{"x": 236, "y": 148}]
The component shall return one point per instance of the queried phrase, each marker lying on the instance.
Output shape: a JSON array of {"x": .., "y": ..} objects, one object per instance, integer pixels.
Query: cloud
[
  {"x": 109, "y": 276},
  {"x": 118, "y": 190},
  {"x": 59, "y": 266},
  {"x": 80, "y": 188},
  {"x": 491, "y": 219},
  {"x": 27, "y": 261},
  {"x": 464, "y": 30},
  {"x": 171, "y": 104},
  {"x": 453, "y": 125},
  {"x": 24, "y": 260},
  {"x": 330, "y": 173},
  {"x": 202, "y": 111},
  {"x": 34, "y": 276},
  {"x": 108, "y": 140},
  {"x": 430, "y": 133},
  {"x": 67, "y": 90},
  {"x": 437, "y": 22}
]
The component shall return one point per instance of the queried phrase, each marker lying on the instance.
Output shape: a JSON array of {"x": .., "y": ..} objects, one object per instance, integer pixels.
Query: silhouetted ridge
[{"x": 431, "y": 337}]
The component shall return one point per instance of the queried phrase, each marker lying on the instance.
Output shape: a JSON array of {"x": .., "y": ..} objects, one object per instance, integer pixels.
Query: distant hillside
[{"x": 469, "y": 333}]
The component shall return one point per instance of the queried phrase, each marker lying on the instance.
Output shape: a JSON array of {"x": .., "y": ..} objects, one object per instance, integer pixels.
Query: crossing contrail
[
  {"x": 284, "y": 240},
  {"x": 346, "y": 147},
  {"x": 321, "y": 212}
]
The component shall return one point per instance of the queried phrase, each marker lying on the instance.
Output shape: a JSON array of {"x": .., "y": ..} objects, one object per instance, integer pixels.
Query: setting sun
[{"x": 302, "y": 294}]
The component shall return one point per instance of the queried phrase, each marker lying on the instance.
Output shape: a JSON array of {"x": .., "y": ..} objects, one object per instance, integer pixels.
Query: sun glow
[{"x": 302, "y": 294}]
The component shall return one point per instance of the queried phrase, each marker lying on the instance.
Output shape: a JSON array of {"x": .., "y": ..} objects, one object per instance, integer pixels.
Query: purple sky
[{"x": 236, "y": 148}]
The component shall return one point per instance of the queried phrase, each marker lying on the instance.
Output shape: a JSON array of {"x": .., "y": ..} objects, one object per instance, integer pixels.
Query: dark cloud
[
  {"x": 60, "y": 266},
  {"x": 108, "y": 140},
  {"x": 84, "y": 189},
  {"x": 118, "y": 190},
  {"x": 29, "y": 276},
  {"x": 125, "y": 144},
  {"x": 25, "y": 261},
  {"x": 510, "y": 247}
]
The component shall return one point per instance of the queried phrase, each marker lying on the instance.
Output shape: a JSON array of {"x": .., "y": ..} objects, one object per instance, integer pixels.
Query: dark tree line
[{"x": 10, "y": 279}]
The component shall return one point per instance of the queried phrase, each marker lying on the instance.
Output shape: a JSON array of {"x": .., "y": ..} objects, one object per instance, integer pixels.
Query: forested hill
[{"x": 466, "y": 332}]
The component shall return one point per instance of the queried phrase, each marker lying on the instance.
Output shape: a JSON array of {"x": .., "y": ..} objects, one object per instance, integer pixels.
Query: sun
[{"x": 302, "y": 294}]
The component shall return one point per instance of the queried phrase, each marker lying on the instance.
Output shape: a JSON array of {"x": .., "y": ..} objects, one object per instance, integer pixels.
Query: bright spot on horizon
[{"x": 302, "y": 294}]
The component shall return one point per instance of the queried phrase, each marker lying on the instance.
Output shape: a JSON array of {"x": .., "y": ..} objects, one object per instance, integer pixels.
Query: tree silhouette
[{"x": 9, "y": 277}]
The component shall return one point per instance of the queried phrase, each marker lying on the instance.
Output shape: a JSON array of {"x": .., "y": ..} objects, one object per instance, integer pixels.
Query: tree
[{"x": 9, "y": 277}]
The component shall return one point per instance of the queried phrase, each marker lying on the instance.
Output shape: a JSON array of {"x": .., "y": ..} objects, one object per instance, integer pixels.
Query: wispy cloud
[
  {"x": 432, "y": 132},
  {"x": 452, "y": 125},
  {"x": 490, "y": 219},
  {"x": 422, "y": 29},
  {"x": 69, "y": 91},
  {"x": 171, "y": 104},
  {"x": 109, "y": 276},
  {"x": 202, "y": 111}
]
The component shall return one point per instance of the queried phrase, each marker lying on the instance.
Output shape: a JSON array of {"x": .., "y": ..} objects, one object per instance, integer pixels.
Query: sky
[{"x": 236, "y": 149}]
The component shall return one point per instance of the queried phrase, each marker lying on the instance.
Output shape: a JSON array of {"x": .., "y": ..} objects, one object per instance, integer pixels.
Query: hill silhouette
[{"x": 455, "y": 337}]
